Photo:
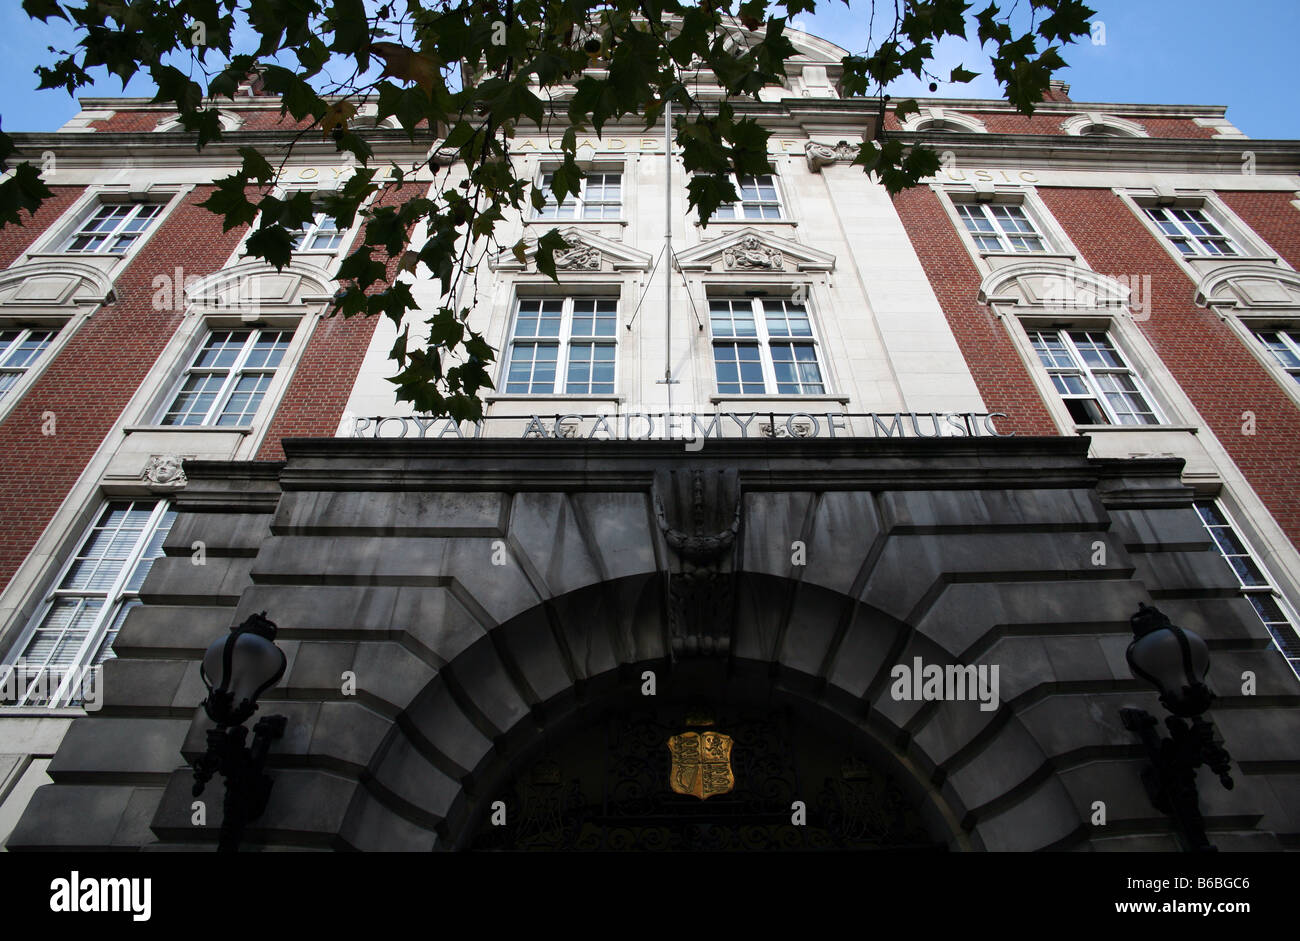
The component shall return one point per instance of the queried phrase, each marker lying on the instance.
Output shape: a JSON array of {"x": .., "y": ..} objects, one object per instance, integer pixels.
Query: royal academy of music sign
[{"x": 691, "y": 426}]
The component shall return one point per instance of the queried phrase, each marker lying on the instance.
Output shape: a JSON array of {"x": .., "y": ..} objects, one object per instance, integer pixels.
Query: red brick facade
[
  {"x": 1221, "y": 377},
  {"x": 1001, "y": 122},
  {"x": 1271, "y": 216},
  {"x": 999, "y": 372},
  {"x": 139, "y": 122},
  {"x": 93, "y": 377},
  {"x": 318, "y": 392},
  {"x": 16, "y": 239}
]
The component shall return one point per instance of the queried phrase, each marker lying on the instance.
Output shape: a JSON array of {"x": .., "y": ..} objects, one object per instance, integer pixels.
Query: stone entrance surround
[{"x": 376, "y": 559}]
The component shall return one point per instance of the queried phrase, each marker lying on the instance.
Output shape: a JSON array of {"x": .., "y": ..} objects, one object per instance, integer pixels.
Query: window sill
[
  {"x": 1055, "y": 256},
  {"x": 554, "y": 397},
  {"x": 730, "y": 222},
  {"x": 48, "y": 256},
  {"x": 42, "y": 712},
  {"x": 1231, "y": 259},
  {"x": 206, "y": 429},
  {"x": 1093, "y": 429},
  {"x": 778, "y": 397},
  {"x": 556, "y": 223}
]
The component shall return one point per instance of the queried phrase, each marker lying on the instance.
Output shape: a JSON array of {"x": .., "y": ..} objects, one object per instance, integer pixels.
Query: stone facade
[
  {"x": 491, "y": 587},
  {"x": 375, "y": 558}
]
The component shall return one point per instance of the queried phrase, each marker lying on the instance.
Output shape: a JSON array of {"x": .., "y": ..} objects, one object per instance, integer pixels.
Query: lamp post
[
  {"x": 1175, "y": 662},
  {"x": 237, "y": 669}
]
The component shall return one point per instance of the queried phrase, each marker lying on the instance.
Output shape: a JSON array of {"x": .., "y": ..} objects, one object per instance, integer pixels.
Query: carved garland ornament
[
  {"x": 749, "y": 253},
  {"x": 579, "y": 256}
]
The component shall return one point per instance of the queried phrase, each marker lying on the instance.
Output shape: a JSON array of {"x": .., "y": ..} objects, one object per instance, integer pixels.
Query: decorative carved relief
[
  {"x": 750, "y": 253},
  {"x": 821, "y": 155},
  {"x": 560, "y": 429},
  {"x": 700, "y": 527},
  {"x": 579, "y": 256},
  {"x": 802, "y": 429},
  {"x": 164, "y": 469}
]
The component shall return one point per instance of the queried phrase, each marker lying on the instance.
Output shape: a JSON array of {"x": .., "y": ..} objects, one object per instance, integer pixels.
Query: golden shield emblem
[{"x": 701, "y": 764}]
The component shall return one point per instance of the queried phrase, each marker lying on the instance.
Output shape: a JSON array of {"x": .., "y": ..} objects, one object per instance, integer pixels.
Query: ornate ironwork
[
  {"x": 1170, "y": 778},
  {"x": 607, "y": 788},
  {"x": 248, "y": 788}
]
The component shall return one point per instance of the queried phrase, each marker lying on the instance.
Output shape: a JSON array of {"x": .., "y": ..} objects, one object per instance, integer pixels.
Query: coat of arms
[{"x": 701, "y": 764}]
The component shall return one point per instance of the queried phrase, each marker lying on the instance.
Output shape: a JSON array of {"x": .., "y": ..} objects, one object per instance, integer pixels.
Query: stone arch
[
  {"x": 1249, "y": 286},
  {"x": 252, "y": 288},
  {"x": 943, "y": 119},
  {"x": 818, "y": 651},
  {"x": 50, "y": 285},
  {"x": 229, "y": 120},
  {"x": 1052, "y": 284},
  {"x": 1094, "y": 123}
]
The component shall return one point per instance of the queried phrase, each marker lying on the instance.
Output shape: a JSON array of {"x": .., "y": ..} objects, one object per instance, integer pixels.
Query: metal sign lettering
[{"x": 690, "y": 426}]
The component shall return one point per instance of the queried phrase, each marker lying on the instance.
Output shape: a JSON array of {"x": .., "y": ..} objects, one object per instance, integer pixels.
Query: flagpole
[{"x": 668, "y": 254}]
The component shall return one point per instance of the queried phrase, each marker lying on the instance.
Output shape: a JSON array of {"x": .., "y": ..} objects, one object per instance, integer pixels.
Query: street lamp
[
  {"x": 1175, "y": 661},
  {"x": 237, "y": 669}
]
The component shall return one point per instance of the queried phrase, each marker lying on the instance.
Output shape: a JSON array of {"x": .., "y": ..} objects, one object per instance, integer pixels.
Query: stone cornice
[
  {"x": 872, "y": 105},
  {"x": 88, "y": 151},
  {"x": 511, "y": 464},
  {"x": 1159, "y": 154}
]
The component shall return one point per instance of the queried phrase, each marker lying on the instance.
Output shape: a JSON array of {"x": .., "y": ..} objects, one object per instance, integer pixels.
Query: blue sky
[{"x": 1242, "y": 55}]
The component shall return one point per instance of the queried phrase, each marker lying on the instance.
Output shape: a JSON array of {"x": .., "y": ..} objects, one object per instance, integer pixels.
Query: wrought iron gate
[{"x": 607, "y": 788}]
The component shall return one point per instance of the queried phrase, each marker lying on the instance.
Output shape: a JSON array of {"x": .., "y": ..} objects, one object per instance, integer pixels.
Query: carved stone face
[{"x": 164, "y": 469}]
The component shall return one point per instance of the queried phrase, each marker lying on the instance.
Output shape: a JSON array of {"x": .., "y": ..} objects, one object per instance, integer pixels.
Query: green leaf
[
  {"x": 707, "y": 192},
  {"x": 544, "y": 256},
  {"x": 273, "y": 243},
  {"x": 24, "y": 190},
  {"x": 230, "y": 201},
  {"x": 904, "y": 108},
  {"x": 43, "y": 9},
  {"x": 255, "y": 166}
]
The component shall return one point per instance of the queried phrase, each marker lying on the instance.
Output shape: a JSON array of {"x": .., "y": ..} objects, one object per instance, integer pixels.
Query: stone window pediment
[
  {"x": 749, "y": 250},
  {"x": 586, "y": 252}
]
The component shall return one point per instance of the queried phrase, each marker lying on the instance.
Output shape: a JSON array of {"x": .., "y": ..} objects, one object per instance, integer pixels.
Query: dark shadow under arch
[
  {"x": 805, "y": 652},
  {"x": 596, "y": 776}
]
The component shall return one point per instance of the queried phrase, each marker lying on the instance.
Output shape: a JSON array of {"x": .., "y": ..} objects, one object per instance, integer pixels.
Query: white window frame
[
  {"x": 233, "y": 372},
  {"x": 583, "y": 200},
  {"x": 324, "y": 257},
  {"x": 1290, "y": 339},
  {"x": 117, "y": 597},
  {"x": 563, "y": 342},
  {"x": 738, "y": 211},
  {"x": 1195, "y": 241},
  {"x": 323, "y": 225},
  {"x": 1088, "y": 373},
  {"x": 1268, "y": 584},
  {"x": 765, "y": 341},
  {"x": 8, "y": 349},
  {"x": 115, "y": 234},
  {"x": 997, "y": 230}
]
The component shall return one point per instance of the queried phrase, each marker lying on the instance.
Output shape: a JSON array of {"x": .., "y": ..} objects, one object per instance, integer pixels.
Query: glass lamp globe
[
  {"x": 238, "y": 668},
  {"x": 1172, "y": 659}
]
